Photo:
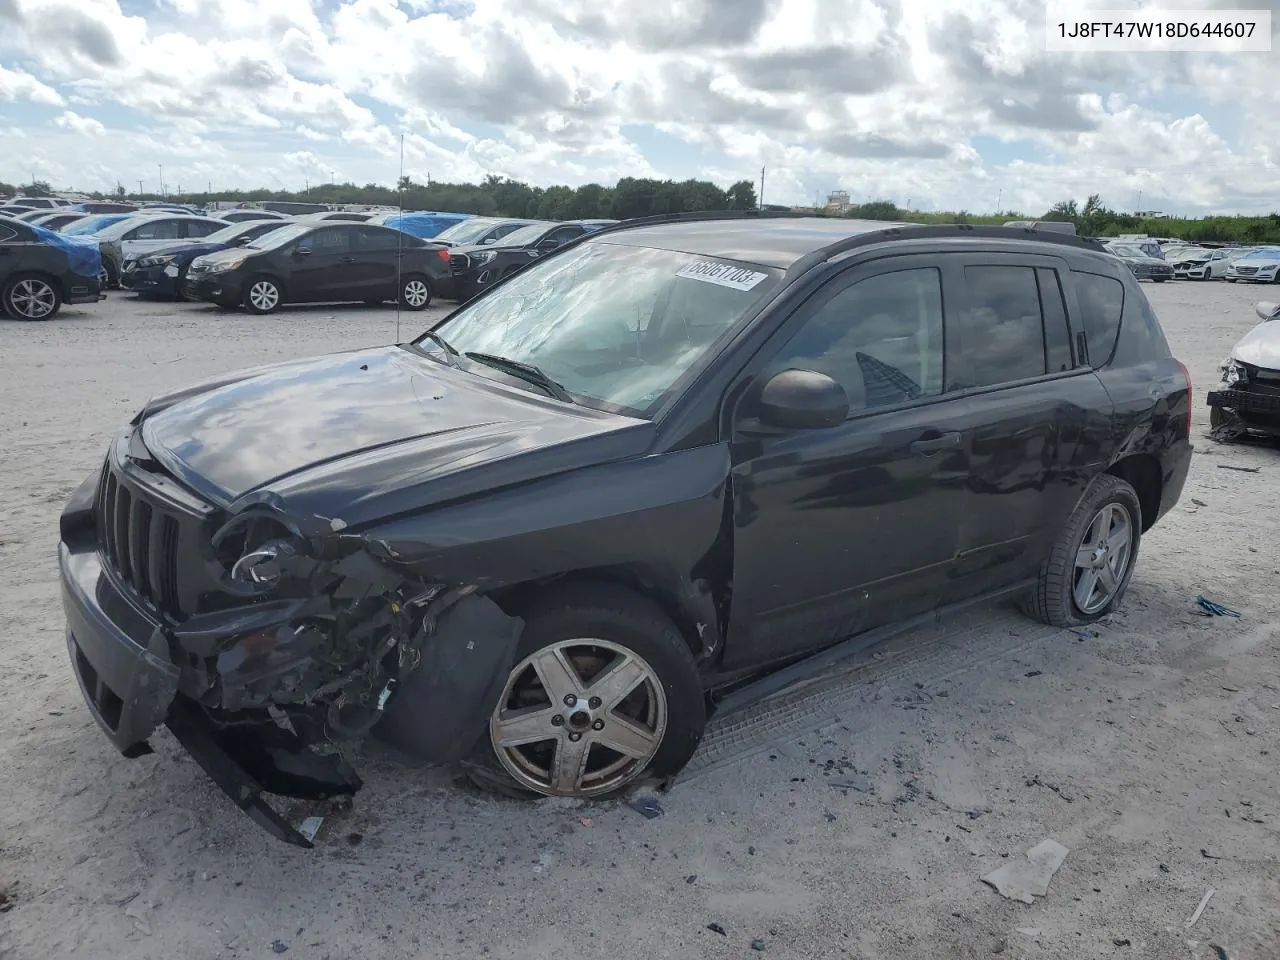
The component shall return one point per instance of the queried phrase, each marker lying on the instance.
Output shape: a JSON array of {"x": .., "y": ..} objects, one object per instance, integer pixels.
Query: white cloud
[
  {"x": 884, "y": 98},
  {"x": 70, "y": 120},
  {"x": 16, "y": 85}
]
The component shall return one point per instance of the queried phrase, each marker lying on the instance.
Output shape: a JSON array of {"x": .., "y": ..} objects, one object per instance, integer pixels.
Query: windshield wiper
[{"x": 525, "y": 371}]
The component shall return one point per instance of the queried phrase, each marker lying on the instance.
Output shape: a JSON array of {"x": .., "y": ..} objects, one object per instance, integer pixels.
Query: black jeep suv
[{"x": 672, "y": 459}]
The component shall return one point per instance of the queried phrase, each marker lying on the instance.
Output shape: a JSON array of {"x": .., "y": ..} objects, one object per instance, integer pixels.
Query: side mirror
[
  {"x": 547, "y": 245},
  {"x": 1268, "y": 310},
  {"x": 802, "y": 400},
  {"x": 302, "y": 251},
  {"x": 241, "y": 241},
  {"x": 488, "y": 240}
]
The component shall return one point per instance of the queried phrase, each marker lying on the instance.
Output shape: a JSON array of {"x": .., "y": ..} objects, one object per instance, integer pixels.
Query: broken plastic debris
[
  {"x": 1204, "y": 902},
  {"x": 335, "y": 524},
  {"x": 1024, "y": 881},
  {"x": 857, "y": 782},
  {"x": 1215, "y": 609},
  {"x": 310, "y": 827},
  {"x": 648, "y": 807}
]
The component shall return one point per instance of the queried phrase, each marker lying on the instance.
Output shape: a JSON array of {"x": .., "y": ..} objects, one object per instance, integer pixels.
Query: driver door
[
  {"x": 845, "y": 528},
  {"x": 322, "y": 266}
]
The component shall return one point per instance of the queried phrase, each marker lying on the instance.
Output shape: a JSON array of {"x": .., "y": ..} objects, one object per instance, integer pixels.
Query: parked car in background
[
  {"x": 421, "y": 224},
  {"x": 650, "y": 469},
  {"x": 56, "y": 221},
  {"x": 1144, "y": 267},
  {"x": 309, "y": 262},
  {"x": 1249, "y": 397},
  {"x": 131, "y": 237},
  {"x": 161, "y": 270},
  {"x": 350, "y": 216},
  {"x": 41, "y": 270},
  {"x": 478, "y": 231},
  {"x": 34, "y": 203},
  {"x": 476, "y": 267},
  {"x": 239, "y": 216},
  {"x": 104, "y": 206},
  {"x": 1256, "y": 266},
  {"x": 17, "y": 209},
  {"x": 1201, "y": 264},
  {"x": 92, "y": 223}
]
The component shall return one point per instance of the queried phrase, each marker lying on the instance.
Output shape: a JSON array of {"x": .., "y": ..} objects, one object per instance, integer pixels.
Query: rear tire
[
  {"x": 1089, "y": 566},
  {"x": 31, "y": 297},
  {"x": 602, "y": 633},
  {"x": 262, "y": 295},
  {"x": 415, "y": 293}
]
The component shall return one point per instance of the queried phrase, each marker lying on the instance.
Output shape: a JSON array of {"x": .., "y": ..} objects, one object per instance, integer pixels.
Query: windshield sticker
[{"x": 722, "y": 274}]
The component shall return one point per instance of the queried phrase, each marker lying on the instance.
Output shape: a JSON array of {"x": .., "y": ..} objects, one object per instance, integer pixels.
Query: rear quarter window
[{"x": 1101, "y": 302}]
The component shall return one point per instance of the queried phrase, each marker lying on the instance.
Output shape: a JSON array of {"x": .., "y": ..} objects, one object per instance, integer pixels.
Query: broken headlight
[
  {"x": 1232, "y": 373},
  {"x": 263, "y": 565}
]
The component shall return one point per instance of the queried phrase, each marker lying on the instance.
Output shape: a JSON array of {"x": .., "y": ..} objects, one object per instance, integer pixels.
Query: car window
[
  {"x": 1101, "y": 307},
  {"x": 7, "y": 234},
  {"x": 565, "y": 234},
  {"x": 502, "y": 231},
  {"x": 375, "y": 238},
  {"x": 880, "y": 338},
  {"x": 201, "y": 228},
  {"x": 328, "y": 240},
  {"x": 1002, "y": 337},
  {"x": 161, "y": 230}
]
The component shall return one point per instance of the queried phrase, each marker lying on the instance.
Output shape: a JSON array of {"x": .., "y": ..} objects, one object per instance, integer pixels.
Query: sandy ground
[{"x": 1149, "y": 750}]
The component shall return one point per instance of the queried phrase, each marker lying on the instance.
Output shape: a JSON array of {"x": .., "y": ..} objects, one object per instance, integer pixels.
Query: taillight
[
  {"x": 443, "y": 254},
  {"x": 1187, "y": 376}
]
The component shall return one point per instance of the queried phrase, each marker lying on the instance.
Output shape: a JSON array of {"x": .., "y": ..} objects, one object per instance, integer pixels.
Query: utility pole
[
  {"x": 1139, "y": 201},
  {"x": 160, "y": 166},
  {"x": 999, "y": 199},
  {"x": 762, "y": 188},
  {"x": 139, "y": 189}
]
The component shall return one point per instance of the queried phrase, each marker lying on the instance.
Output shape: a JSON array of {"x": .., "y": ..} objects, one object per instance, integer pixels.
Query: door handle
[
  {"x": 927, "y": 448},
  {"x": 348, "y": 259}
]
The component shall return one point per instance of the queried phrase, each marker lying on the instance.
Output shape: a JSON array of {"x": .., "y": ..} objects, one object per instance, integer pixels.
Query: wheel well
[
  {"x": 39, "y": 275},
  {"x": 692, "y": 611},
  {"x": 1142, "y": 472}
]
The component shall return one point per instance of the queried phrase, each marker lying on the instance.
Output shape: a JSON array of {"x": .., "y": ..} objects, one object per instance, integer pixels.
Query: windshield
[
  {"x": 275, "y": 239},
  {"x": 234, "y": 232},
  {"x": 94, "y": 224},
  {"x": 1124, "y": 250},
  {"x": 467, "y": 230},
  {"x": 524, "y": 236},
  {"x": 1266, "y": 253},
  {"x": 614, "y": 324}
]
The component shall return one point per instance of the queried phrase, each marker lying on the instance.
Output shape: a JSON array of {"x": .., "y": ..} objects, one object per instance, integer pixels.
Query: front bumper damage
[{"x": 320, "y": 638}]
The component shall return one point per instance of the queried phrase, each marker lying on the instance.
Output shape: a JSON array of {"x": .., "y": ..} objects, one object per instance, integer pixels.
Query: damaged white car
[{"x": 1249, "y": 398}]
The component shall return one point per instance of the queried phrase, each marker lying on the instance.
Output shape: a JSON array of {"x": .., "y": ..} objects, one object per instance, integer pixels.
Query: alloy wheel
[
  {"x": 416, "y": 293},
  {"x": 1103, "y": 558},
  {"x": 264, "y": 296},
  {"x": 32, "y": 299},
  {"x": 579, "y": 718}
]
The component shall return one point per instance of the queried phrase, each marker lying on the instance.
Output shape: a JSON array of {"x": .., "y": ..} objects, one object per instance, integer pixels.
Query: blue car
[
  {"x": 159, "y": 273},
  {"x": 423, "y": 224}
]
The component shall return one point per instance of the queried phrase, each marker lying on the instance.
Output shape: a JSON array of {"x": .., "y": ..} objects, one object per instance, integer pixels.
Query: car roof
[{"x": 784, "y": 240}]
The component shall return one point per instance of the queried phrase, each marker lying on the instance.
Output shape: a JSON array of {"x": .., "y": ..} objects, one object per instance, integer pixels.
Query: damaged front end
[
  {"x": 266, "y": 642},
  {"x": 1248, "y": 399}
]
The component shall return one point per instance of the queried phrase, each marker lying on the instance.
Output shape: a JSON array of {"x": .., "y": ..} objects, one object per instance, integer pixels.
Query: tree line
[{"x": 640, "y": 197}]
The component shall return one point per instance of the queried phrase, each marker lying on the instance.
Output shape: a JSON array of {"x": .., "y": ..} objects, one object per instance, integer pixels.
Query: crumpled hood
[
  {"x": 364, "y": 434},
  {"x": 1260, "y": 346}
]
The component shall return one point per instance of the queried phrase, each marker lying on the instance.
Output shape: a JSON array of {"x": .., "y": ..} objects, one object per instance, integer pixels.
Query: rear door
[
  {"x": 376, "y": 254},
  {"x": 323, "y": 265},
  {"x": 1040, "y": 416},
  {"x": 843, "y": 529}
]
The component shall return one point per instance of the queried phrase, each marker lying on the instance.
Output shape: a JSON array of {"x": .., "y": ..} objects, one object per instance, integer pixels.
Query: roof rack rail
[
  {"x": 892, "y": 229},
  {"x": 941, "y": 231}
]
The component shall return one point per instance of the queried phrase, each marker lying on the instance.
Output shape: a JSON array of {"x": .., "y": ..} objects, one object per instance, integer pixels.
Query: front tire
[
  {"x": 262, "y": 295},
  {"x": 415, "y": 293},
  {"x": 604, "y": 690},
  {"x": 31, "y": 297},
  {"x": 1089, "y": 566}
]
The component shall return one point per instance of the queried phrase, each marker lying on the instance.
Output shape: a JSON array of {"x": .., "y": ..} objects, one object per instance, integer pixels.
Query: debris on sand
[
  {"x": 1228, "y": 466},
  {"x": 648, "y": 807},
  {"x": 1204, "y": 902},
  {"x": 716, "y": 928},
  {"x": 1024, "y": 880},
  {"x": 856, "y": 781},
  {"x": 1215, "y": 609}
]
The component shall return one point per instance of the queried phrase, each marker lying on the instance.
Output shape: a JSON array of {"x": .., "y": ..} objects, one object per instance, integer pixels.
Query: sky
[{"x": 934, "y": 104}]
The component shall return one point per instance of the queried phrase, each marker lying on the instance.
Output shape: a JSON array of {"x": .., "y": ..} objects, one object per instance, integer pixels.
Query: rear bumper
[
  {"x": 1176, "y": 465},
  {"x": 82, "y": 290}
]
